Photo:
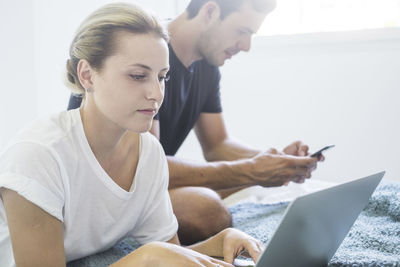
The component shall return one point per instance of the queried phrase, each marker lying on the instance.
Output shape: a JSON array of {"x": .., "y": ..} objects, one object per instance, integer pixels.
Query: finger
[
  {"x": 299, "y": 180},
  {"x": 307, "y": 162},
  {"x": 260, "y": 246},
  {"x": 303, "y": 150},
  {"x": 253, "y": 249},
  {"x": 300, "y": 172},
  {"x": 229, "y": 254},
  {"x": 216, "y": 262},
  {"x": 292, "y": 149},
  {"x": 272, "y": 151}
]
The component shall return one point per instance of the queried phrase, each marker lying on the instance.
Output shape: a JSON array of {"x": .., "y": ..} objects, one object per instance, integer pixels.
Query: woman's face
[{"x": 129, "y": 89}]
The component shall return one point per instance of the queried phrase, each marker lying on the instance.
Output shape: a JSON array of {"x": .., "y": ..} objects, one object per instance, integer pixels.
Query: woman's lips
[{"x": 148, "y": 112}]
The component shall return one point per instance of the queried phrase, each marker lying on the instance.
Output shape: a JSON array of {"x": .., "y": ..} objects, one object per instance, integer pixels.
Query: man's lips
[{"x": 230, "y": 53}]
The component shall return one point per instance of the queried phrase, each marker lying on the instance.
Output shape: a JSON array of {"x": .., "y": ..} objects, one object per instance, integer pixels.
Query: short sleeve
[
  {"x": 213, "y": 101},
  {"x": 33, "y": 172},
  {"x": 159, "y": 222}
]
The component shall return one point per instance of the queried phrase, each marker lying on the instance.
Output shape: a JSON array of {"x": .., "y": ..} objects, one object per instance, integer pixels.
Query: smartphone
[{"x": 319, "y": 152}]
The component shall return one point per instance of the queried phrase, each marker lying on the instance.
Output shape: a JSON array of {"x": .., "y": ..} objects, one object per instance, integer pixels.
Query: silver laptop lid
[{"x": 314, "y": 225}]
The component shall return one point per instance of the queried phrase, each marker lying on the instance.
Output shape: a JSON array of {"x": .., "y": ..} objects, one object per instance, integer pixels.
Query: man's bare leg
[
  {"x": 200, "y": 213},
  {"x": 227, "y": 192}
]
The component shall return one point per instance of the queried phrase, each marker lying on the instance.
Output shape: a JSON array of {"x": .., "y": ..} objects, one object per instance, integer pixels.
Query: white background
[{"x": 323, "y": 88}]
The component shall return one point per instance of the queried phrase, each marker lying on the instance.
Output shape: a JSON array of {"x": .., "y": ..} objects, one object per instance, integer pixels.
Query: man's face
[{"x": 227, "y": 37}]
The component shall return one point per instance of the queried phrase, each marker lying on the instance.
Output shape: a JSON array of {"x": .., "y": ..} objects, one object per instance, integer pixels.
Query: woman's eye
[
  {"x": 137, "y": 77},
  {"x": 164, "y": 78}
]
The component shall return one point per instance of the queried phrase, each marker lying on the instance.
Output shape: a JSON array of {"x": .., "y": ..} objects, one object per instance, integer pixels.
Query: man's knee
[{"x": 200, "y": 213}]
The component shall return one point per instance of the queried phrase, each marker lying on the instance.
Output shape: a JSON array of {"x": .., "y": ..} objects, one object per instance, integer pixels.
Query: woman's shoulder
[
  {"x": 151, "y": 149},
  {"x": 47, "y": 130},
  {"x": 149, "y": 141}
]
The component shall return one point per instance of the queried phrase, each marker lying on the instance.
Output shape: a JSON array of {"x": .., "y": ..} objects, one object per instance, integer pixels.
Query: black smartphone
[{"x": 319, "y": 152}]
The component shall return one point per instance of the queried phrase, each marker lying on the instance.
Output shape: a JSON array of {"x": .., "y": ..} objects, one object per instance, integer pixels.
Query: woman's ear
[
  {"x": 210, "y": 12},
  {"x": 85, "y": 73}
]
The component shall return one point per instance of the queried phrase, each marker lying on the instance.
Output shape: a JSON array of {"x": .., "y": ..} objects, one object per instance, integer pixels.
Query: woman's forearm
[{"x": 212, "y": 247}]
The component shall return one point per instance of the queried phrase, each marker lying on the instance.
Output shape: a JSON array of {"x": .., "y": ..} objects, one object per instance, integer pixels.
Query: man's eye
[
  {"x": 164, "y": 78},
  {"x": 137, "y": 77}
]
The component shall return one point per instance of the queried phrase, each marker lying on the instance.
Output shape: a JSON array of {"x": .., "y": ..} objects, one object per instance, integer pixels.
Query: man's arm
[
  {"x": 183, "y": 172},
  {"x": 237, "y": 165},
  {"x": 216, "y": 145}
]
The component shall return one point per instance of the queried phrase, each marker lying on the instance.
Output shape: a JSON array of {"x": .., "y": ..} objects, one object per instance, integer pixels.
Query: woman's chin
[{"x": 140, "y": 128}]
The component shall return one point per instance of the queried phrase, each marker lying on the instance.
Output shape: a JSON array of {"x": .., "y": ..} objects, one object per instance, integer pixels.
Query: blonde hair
[{"x": 94, "y": 39}]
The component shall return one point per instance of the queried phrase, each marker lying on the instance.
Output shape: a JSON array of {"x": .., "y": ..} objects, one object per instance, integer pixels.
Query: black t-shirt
[{"x": 188, "y": 92}]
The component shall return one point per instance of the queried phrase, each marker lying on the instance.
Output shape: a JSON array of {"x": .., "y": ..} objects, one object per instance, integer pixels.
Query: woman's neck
[{"x": 107, "y": 140}]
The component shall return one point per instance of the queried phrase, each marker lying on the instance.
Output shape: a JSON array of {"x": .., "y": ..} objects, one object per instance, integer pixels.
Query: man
[{"x": 202, "y": 38}]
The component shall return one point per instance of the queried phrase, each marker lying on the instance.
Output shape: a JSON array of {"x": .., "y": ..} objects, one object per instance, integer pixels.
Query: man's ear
[
  {"x": 85, "y": 72},
  {"x": 210, "y": 12}
]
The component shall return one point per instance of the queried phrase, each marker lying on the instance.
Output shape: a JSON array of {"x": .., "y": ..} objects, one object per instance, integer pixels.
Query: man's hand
[
  {"x": 272, "y": 168},
  {"x": 296, "y": 148}
]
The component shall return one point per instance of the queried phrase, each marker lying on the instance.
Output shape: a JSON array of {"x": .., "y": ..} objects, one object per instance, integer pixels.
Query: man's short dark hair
[{"x": 226, "y": 6}]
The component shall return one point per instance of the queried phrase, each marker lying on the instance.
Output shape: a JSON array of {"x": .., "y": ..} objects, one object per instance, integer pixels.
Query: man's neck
[{"x": 183, "y": 39}]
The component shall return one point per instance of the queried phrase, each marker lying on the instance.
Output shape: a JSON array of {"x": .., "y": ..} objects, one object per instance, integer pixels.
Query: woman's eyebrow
[
  {"x": 140, "y": 65},
  {"x": 146, "y": 67}
]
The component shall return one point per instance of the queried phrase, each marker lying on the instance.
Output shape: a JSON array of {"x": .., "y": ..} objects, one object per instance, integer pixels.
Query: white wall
[
  {"x": 339, "y": 88},
  {"x": 321, "y": 88},
  {"x": 17, "y": 74}
]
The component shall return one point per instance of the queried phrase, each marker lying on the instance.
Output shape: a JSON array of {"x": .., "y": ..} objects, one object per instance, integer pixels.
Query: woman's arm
[
  {"x": 36, "y": 236},
  {"x": 37, "y": 240},
  {"x": 228, "y": 244},
  {"x": 167, "y": 254}
]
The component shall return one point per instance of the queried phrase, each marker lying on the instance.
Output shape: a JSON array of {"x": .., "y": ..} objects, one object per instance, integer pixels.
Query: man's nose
[{"x": 245, "y": 44}]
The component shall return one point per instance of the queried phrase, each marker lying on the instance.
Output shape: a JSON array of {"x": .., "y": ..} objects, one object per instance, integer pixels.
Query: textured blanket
[{"x": 374, "y": 240}]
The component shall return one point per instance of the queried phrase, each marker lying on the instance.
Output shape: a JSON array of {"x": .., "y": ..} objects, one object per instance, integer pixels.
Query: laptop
[{"x": 314, "y": 225}]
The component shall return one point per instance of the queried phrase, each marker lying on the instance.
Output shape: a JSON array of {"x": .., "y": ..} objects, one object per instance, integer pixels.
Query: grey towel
[{"x": 374, "y": 240}]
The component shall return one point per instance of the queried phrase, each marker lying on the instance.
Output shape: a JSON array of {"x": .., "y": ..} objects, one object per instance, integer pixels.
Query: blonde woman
[{"x": 78, "y": 182}]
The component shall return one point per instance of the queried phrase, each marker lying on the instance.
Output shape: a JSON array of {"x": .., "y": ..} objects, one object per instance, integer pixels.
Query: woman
[{"x": 80, "y": 181}]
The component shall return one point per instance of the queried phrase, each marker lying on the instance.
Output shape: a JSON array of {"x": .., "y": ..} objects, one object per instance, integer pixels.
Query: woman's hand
[
  {"x": 228, "y": 244},
  {"x": 164, "y": 254},
  {"x": 236, "y": 242}
]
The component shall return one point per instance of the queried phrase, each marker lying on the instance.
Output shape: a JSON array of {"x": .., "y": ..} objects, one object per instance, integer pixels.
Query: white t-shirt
[{"x": 51, "y": 164}]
